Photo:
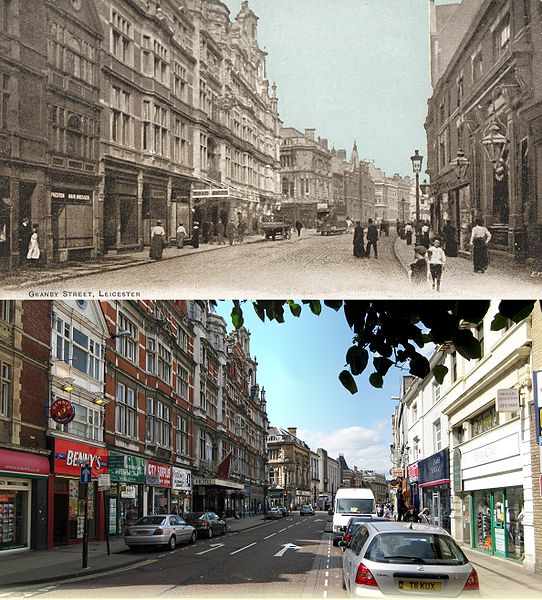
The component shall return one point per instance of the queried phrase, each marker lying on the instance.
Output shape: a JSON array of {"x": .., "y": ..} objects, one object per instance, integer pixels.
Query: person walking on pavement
[
  {"x": 479, "y": 239},
  {"x": 411, "y": 516},
  {"x": 437, "y": 262},
  {"x": 158, "y": 236},
  {"x": 299, "y": 227},
  {"x": 195, "y": 235},
  {"x": 408, "y": 234},
  {"x": 425, "y": 235},
  {"x": 33, "y": 254},
  {"x": 205, "y": 232},
  {"x": 241, "y": 231},
  {"x": 231, "y": 231},
  {"x": 424, "y": 516},
  {"x": 25, "y": 233},
  {"x": 418, "y": 269},
  {"x": 372, "y": 239},
  {"x": 450, "y": 239},
  {"x": 359, "y": 244},
  {"x": 220, "y": 233},
  {"x": 181, "y": 234}
]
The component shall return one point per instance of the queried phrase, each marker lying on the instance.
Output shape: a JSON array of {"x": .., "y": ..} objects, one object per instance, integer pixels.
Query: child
[
  {"x": 418, "y": 269},
  {"x": 437, "y": 261}
]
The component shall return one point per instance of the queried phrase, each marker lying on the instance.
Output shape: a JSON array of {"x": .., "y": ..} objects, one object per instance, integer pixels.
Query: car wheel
[
  {"x": 210, "y": 532},
  {"x": 172, "y": 543},
  {"x": 193, "y": 537},
  {"x": 225, "y": 529}
]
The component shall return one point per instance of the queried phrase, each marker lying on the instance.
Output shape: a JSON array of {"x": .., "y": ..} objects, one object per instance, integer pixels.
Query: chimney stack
[
  {"x": 309, "y": 133},
  {"x": 292, "y": 431}
]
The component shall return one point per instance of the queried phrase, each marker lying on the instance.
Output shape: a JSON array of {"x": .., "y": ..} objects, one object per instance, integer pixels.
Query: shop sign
[
  {"x": 61, "y": 196},
  {"x": 491, "y": 453},
  {"x": 159, "y": 473},
  {"x": 397, "y": 472},
  {"x": 537, "y": 384},
  {"x": 14, "y": 462},
  {"x": 104, "y": 481},
  {"x": 128, "y": 491},
  {"x": 126, "y": 468},
  {"x": 413, "y": 472},
  {"x": 435, "y": 469},
  {"x": 68, "y": 453},
  {"x": 456, "y": 461},
  {"x": 508, "y": 400},
  {"x": 62, "y": 411},
  {"x": 181, "y": 479}
]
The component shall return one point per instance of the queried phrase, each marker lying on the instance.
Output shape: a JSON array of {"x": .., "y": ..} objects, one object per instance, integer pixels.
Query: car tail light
[
  {"x": 472, "y": 582},
  {"x": 158, "y": 531},
  {"x": 347, "y": 537},
  {"x": 365, "y": 577},
  {"x": 204, "y": 523}
]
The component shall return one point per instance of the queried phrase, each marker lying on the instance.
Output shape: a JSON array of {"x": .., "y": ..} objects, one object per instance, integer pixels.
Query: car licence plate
[{"x": 420, "y": 586}]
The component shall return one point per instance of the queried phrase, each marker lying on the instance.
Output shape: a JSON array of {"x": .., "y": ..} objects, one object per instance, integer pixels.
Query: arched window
[{"x": 74, "y": 135}]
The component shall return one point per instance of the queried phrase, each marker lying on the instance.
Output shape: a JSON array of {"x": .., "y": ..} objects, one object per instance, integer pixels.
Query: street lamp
[
  {"x": 417, "y": 160},
  {"x": 460, "y": 164}
]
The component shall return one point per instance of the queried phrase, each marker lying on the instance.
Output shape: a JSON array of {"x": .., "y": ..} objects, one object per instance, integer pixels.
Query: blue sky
[
  {"x": 351, "y": 69},
  {"x": 298, "y": 364}
]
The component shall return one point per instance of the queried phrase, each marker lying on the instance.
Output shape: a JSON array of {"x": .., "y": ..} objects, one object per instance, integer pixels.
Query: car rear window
[
  {"x": 194, "y": 516},
  {"x": 415, "y": 548},
  {"x": 151, "y": 520}
]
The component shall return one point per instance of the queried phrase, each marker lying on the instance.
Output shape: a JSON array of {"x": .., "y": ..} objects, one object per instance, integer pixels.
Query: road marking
[
  {"x": 327, "y": 573},
  {"x": 281, "y": 530},
  {"x": 325, "y": 583},
  {"x": 241, "y": 549},
  {"x": 160, "y": 555},
  {"x": 285, "y": 548},
  {"x": 325, "y": 593},
  {"x": 266, "y": 538},
  {"x": 215, "y": 547}
]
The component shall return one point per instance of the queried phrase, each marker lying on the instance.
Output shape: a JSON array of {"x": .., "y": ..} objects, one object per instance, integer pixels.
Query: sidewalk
[{"x": 31, "y": 567}]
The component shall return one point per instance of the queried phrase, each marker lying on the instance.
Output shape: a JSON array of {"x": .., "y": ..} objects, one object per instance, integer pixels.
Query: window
[
  {"x": 182, "y": 436},
  {"x": 71, "y": 133},
  {"x": 415, "y": 411},
  {"x": 121, "y": 32},
  {"x": 7, "y": 310},
  {"x": 273, "y": 454},
  {"x": 87, "y": 423},
  {"x": 180, "y": 81},
  {"x": 501, "y": 37},
  {"x": 182, "y": 338},
  {"x": 121, "y": 119},
  {"x": 437, "y": 435},
  {"x": 489, "y": 419},
  {"x": 4, "y": 14},
  {"x": 460, "y": 90},
  {"x": 151, "y": 355},
  {"x": 160, "y": 130},
  {"x": 5, "y": 389},
  {"x": 160, "y": 63},
  {"x": 436, "y": 393},
  {"x": 182, "y": 382},
  {"x": 271, "y": 477},
  {"x": 127, "y": 344},
  {"x": 4, "y": 100},
  {"x": 164, "y": 363},
  {"x": 212, "y": 405},
  {"x": 180, "y": 142},
  {"x": 146, "y": 141},
  {"x": 203, "y": 151},
  {"x": 125, "y": 407},
  {"x": 71, "y": 345},
  {"x": 476, "y": 64},
  {"x": 158, "y": 422}
]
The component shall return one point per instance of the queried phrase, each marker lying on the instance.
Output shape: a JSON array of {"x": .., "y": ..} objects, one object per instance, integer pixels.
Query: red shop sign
[
  {"x": 162, "y": 471},
  {"x": 68, "y": 453},
  {"x": 62, "y": 411},
  {"x": 413, "y": 472},
  {"x": 12, "y": 461}
]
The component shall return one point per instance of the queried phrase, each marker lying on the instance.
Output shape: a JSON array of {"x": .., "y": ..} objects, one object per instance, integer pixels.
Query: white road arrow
[{"x": 285, "y": 548}]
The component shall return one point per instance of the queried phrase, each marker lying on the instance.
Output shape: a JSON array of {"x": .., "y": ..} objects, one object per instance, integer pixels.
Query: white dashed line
[
  {"x": 325, "y": 583},
  {"x": 327, "y": 573},
  {"x": 269, "y": 536},
  {"x": 281, "y": 530},
  {"x": 241, "y": 549},
  {"x": 325, "y": 593}
]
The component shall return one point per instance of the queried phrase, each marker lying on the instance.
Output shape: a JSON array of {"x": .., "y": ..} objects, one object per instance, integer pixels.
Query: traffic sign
[{"x": 86, "y": 474}]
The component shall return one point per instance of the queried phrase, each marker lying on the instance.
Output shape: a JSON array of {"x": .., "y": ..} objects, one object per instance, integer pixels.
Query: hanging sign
[
  {"x": 62, "y": 411},
  {"x": 508, "y": 400}
]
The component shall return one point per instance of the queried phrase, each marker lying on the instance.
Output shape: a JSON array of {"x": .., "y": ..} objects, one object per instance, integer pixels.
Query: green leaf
[
  {"x": 334, "y": 304},
  {"x": 315, "y": 306},
  {"x": 382, "y": 364},
  {"x": 259, "y": 311},
  {"x": 376, "y": 380},
  {"x": 357, "y": 358},
  {"x": 499, "y": 322},
  {"x": 516, "y": 310},
  {"x": 466, "y": 344},
  {"x": 345, "y": 377},
  {"x": 472, "y": 311},
  {"x": 295, "y": 308},
  {"x": 439, "y": 371},
  {"x": 419, "y": 366},
  {"x": 237, "y": 315}
]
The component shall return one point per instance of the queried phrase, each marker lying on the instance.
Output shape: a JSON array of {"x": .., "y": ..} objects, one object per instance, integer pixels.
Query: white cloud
[{"x": 363, "y": 447}]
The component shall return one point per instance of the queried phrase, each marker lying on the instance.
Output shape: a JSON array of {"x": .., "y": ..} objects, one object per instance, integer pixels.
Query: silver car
[
  {"x": 392, "y": 559},
  {"x": 154, "y": 530}
]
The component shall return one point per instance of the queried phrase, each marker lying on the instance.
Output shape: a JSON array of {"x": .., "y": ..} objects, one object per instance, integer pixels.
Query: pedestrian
[
  {"x": 423, "y": 517},
  {"x": 479, "y": 239},
  {"x": 411, "y": 516},
  {"x": 195, "y": 234},
  {"x": 379, "y": 510},
  {"x": 425, "y": 235},
  {"x": 231, "y": 231},
  {"x": 241, "y": 231},
  {"x": 181, "y": 234},
  {"x": 437, "y": 262},
  {"x": 158, "y": 236},
  {"x": 418, "y": 269},
  {"x": 205, "y": 232},
  {"x": 408, "y": 234},
  {"x": 401, "y": 506},
  {"x": 387, "y": 512},
  {"x": 220, "y": 233},
  {"x": 359, "y": 244},
  {"x": 349, "y": 224},
  {"x": 25, "y": 233},
  {"x": 449, "y": 234},
  {"x": 372, "y": 239},
  {"x": 299, "y": 227},
  {"x": 33, "y": 254}
]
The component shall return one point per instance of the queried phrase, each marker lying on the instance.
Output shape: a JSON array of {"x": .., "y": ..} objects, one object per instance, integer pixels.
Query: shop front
[
  {"x": 434, "y": 487},
  {"x": 181, "y": 491},
  {"x": 125, "y": 498},
  {"x": 222, "y": 496},
  {"x": 67, "y": 495},
  {"x": 158, "y": 484},
  {"x": 122, "y": 209},
  {"x": 23, "y": 500},
  {"x": 413, "y": 475}
]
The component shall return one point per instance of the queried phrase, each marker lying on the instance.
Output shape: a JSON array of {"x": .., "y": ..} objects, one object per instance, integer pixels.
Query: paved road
[{"x": 310, "y": 266}]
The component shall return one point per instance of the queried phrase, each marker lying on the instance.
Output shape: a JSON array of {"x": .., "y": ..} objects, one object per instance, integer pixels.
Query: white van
[{"x": 351, "y": 502}]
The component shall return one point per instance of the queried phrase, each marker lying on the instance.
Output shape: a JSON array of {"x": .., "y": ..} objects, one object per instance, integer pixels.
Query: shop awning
[
  {"x": 23, "y": 464},
  {"x": 225, "y": 483}
]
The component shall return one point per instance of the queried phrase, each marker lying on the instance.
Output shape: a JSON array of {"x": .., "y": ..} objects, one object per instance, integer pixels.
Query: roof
[{"x": 401, "y": 526}]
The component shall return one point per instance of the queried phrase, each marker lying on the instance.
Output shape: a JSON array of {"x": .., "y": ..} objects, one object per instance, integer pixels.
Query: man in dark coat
[
  {"x": 359, "y": 246},
  {"x": 372, "y": 238}
]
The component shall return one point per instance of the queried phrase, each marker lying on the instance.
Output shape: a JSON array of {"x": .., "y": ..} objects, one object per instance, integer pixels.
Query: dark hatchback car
[{"x": 207, "y": 524}]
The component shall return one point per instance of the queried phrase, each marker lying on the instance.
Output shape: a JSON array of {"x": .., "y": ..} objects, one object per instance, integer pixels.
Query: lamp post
[{"x": 417, "y": 160}]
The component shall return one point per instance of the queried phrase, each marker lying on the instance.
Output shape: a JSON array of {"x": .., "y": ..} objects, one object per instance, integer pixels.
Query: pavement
[{"x": 65, "y": 562}]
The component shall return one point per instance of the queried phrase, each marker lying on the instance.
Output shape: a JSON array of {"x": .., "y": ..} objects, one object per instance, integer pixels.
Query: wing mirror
[{"x": 343, "y": 544}]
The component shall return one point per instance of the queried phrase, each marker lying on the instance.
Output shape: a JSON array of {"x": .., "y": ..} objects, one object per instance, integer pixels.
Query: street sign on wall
[{"x": 508, "y": 400}]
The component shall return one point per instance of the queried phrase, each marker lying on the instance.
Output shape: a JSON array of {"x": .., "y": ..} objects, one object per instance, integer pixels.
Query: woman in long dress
[
  {"x": 158, "y": 236},
  {"x": 359, "y": 246},
  {"x": 181, "y": 234},
  {"x": 33, "y": 254},
  {"x": 479, "y": 239}
]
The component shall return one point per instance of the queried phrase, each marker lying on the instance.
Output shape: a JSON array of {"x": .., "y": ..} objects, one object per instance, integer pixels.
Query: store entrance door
[
  {"x": 435, "y": 508},
  {"x": 61, "y": 520},
  {"x": 499, "y": 523}
]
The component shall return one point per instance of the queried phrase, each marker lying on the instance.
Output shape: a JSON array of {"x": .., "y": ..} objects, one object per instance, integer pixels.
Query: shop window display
[
  {"x": 514, "y": 523},
  {"x": 482, "y": 521},
  {"x": 13, "y": 524}
]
